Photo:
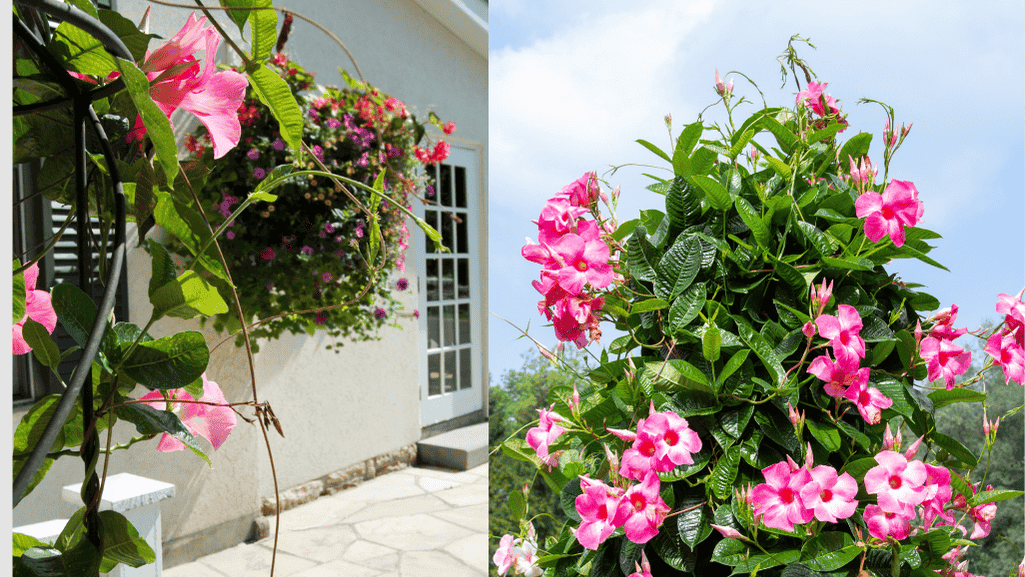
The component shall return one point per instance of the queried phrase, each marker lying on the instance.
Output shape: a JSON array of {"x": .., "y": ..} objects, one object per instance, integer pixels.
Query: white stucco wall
[{"x": 335, "y": 409}]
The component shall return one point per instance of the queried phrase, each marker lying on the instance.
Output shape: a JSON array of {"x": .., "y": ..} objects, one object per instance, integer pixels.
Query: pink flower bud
[
  {"x": 753, "y": 153},
  {"x": 985, "y": 425},
  {"x": 575, "y": 404},
  {"x": 808, "y": 329},
  {"x": 918, "y": 331},
  {"x": 913, "y": 449},
  {"x": 891, "y": 442},
  {"x": 721, "y": 88},
  {"x": 669, "y": 120},
  {"x": 904, "y": 131},
  {"x": 728, "y": 532}
]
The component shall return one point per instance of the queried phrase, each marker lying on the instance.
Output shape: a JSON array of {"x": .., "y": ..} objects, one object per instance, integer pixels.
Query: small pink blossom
[
  {"x": 944, "y": 359},
  {"x": 811, "y": 96},
  {"x": 504, "y": 558},
  {"x": 883, "y": 524},
  {"x": 888, "y": 213},
  {"x": 582, "y": 192},
  {"x": 830, "y": 496},
  {"x": 212, "y": 422},
  {"x": 581, "y": 258},
  {"x": 728, "y": 532},
  {"x": 944, "y": 327},
  {"x": 722, "y": 88},
  {"x": 1006, "y": 352},
  {"x": 863, "y": 173},
  {"x": 839, "y": 376},
  {"x": 778, "y": 501},
  {"x": 38, "y": 307},
  {"x": 643, "y": 568},
  {"x": 642, "y": 510},
  {"x": 548, "y": 430},
  {"x": 842, "y": 333},
  {"x": 897, "y": 483},
  {"x": 869, "y": 400},
  {"x": 597, "y": 507},
  {"x": 1013, "y": 310}
]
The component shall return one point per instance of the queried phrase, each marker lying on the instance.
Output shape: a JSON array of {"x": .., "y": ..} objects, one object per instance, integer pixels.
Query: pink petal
[{"x": 216, "y": 106}]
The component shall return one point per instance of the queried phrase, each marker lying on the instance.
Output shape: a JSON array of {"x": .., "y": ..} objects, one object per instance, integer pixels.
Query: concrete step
[{"x": 461, "y": 449}]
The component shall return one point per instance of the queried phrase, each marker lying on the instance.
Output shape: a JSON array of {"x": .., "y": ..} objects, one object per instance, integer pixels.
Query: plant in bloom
[
  {"x": 213, "y": 422},
  {"x": 37, "y": 307},
  {"x": 888, "y": 213},
  {"x": 541, "y": 437}
]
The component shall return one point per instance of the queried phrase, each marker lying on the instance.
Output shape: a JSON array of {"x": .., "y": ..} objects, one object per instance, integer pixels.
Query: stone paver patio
[{"x": 412, "y": 522}]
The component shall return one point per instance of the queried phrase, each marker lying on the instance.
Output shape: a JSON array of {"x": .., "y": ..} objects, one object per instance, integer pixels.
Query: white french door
[{"x": 450, "y": 306}]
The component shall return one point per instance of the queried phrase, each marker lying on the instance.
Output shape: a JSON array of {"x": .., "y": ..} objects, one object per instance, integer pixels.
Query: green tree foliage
[{"x": 513, "y": 405}]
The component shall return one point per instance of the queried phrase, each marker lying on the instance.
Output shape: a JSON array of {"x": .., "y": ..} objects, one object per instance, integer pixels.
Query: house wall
[{"x": 336, "y": 409}]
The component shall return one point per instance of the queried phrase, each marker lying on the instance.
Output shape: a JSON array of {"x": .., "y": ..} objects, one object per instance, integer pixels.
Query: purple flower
[
  {"x": 259, "y": 173},
  {"x": 321, "y": 318},
  {"x": 327, "y": 277},
  {"x": 334, "y": 123},
  {"x": 307, "y": 251},
  {"x": 430, "y": 190},
  {"x": 402, "y": 284},
  {"x": 230, "y": 235},
  {"x": 416, "y": 313},
  {"x": 313, "y": 114},
  {"x": 363, "y": 160},
  {"x": 338, "y": 238},
  {"x": 318, "y": 152},
  {"x": 380, "y": 313},
  {"x": 278, "y": 144},
  {"x": 328, "y": 227},
  {"x": 253, "y": 154}
]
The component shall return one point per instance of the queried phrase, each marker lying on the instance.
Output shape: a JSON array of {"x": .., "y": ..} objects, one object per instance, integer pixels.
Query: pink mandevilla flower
[
  {"x": 642, "y": 510},
  {"x": 838, "y": 376},
  {"x": 831, "y": 497},
  {"x": 888, "y": 213},
  {"x": 597, "y": 506},
  {"x": 674, "y": 440},
  {"x": 178, "y": 82},
  {"x": 1014, "y": 311},
  {"x": 38, "y": 307},
  {"x": 503, "y": 555},
  {"x": 541, "y": 437},
  {"x": 212, "y": 422},
  {"x": 1006, "y": 352},
  {"x": 582, "y": 192},
  {"x": 643, "y": 568},
  {"x": 883, "y": 524},
  {"x": 581, "y": 258},
  {"x": 944, "y": 327},
  {"x": 842, "y": 332},
  {"x": 778, "y": 500},
  {"x": 869, "y": 400},
  {"x": 944, "y": 359},
  {"x": 897, "y": 483},
  {"x": 811, "y": 97}
]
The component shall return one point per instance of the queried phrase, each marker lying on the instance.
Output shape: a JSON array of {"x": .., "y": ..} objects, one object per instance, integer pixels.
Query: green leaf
[
  {"x": 186, "y": 297},
  {"x": 517, "y": 504},
  {"x": 762, "y": 349},
  {"x": 747, "y": 560},
  {"x": 686, "y": 142},
  {"x": 648, "y": 306},
  {"x": 711, "y": 342},
  {"x": 184, "y": 222},
  {"x": 677, "y": 374},
  {"x": 725, "y": 473},
  {"x": 993, "y": 497},
  {"x": 683, "y": 203},
  {"x": 32, "y": 425},
  {"x": 240, "y": 16},
  {"x": 777, "y": 427},
  {"x": 955, "y": 448},
  {"x": 819, "y": 239},
  {"x": 740, "y": 140},
  {"x": 784, "y": 136},
  {"x": 855, "y": 148},
  {"x": 676, "y": 270},
  {"x": 943, "y": 398},
  {"x": 826, "y": 133},
  {"x": 829, "y": 551},
  {"x": 718, "y": 197},
  {"x": 264, "y": 27},
  {"x": 75, "y": 311},
  {"x": 158, "y": 127},
  {"x": 43, "y": 348},
  {"x": 151, "y": 421},
  {"x": 136, "y": 41},
  {"x": 167, "y": 363},
  {"x": 274, "y": 92},
  {"x": 754, "y": 221},
  {"x": 80, "y": 51},
  {"x": 18, "y": 293},
  {"x": 686, "y": 307},
  {"x": 781, "y": 168},
  {"x": 853, "y": 263},
  {"x": 163, "y": 269},
  {"x": 826, "y": 434},
  {"x": 693, "y": 524},
  {"x": 655, "y": 149},
  {"x": 735, "y": 362}
]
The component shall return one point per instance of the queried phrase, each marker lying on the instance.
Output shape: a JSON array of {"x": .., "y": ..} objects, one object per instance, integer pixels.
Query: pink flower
[
  {"x": 937, "y": 494},
  {"x": 1008, "y": 354},
  {"x": 449, "y": 128},
  {"x": 574, "y": 320},
  {"x": 944, "y": 327},
  {"x": 811, "y": 97},
  {"x": 643, "y": 568},
  {"x": 178, "y": 82},
  {"x": 945, "y": 359},
  {"x": 642, "y": 510},
  {"x": 212, "y": 422},
  {"x": 778, "y": 500},
  {"x": 558, "y": 217},
  {"x": 838, "y": 376},
  {"x": 1014, "y": 311},
  {"x": 842, "y": 333},
  {"x": 728, "y": 532},
  {"x": 897, "y": 483},
  {"x": 504, "y": 556},
  {"x": 863, "y": 172},
  {"x": 983, "y": 516},
  {"x": 820, "y": 296},
  {"x": 673, "y": 440},
  {"x": 831, "y": 497},
  {"x": 888, "y": 213},
  {"x": 883, "y": 524},
  {"x": 541, "y": 437},
  {"x": 582, "y": 192},
  {"x": 37, "y": 307},
  {"x": 869, "y": 400},
  {"x": 581, "y": 258},
  {"x": 267, "y": 254},
  {"x": 597, "y": 507}
]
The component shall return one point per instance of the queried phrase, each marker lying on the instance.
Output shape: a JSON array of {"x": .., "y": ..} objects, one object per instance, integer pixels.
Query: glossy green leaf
[
  {"x": 274, "y": 92},
  {"x": 186, "y": 297},
  {"x": 629, "y": 555},
  {"x": 733, "y": 364},
  {"x": 676, "y": 270},
  {"x": 167, "y": 363},
  {"x": 740, "y": 140},
  {"x": 826, "y": 434},
  {"x": 943, "y": 398},
  {"x": 855, "y": 148},
  {"x": 686, "y": 307},
  {"x": 711, "y": 342},
  {"x": 134, "y": 40},
  {"x": 263, "y": 24},
  {"x": 642, "y": 256},
  {"x": 686, "y": 142},
  {"x": 718, "y": 197},
  {"x": 162, "y": 267},
  {"x": 854, "y": 263},
  {"x": 725, "y": 473},
  {"x": 683, "y": 203},
  {"x": 754, "y": 221},
  {"x": 158, "y": 127},
  {"x": 648, "y": 305},
  {"x": 676, "y": 374},
  {"x": 517, "y": 504},
  {"x": 43, "y": 347},
  {"x": 151, "y": 421},
  {"x": 784, "y": 137},
  {"x": 655, "y": 149},
  {"x": 994, "y": 496},
  {"x": 829, "y": 551},
  {"x": 781, "y": 168},
  {"x": 693, "y": 524},
  {"x": 955, "y": 448},
  {"x": 75, "y": 311},
  {"x": 762, "y": 349},
  {"x": 80, "y": 51}
]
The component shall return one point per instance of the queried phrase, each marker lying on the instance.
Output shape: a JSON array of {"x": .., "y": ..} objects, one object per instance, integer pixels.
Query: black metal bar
[
  {"x": 83, "y": 20},
  {"x": 82, "y": 371}
]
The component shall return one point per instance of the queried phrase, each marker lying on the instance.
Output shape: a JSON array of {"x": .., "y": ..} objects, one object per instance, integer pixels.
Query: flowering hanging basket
[{"x": 312, "y": 248}]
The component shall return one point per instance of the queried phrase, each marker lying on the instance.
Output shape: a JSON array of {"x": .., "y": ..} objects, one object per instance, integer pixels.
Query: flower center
[
  {"x": 826, "y": 496},
  {"x": 581, "y": 265},
  {"x": 895, "y": 482},
  {"x": 942, "y": 358},
  {"x": 787, "y": 495},
  {"x": 887, "y": 213},
  {"x": 647, "y": 449},
  {"x": 638, "y": 502},
  {"x": 672, "y": 438},
  {"x": 603, "y": 512},
  {"x": 845, "y": 339}
]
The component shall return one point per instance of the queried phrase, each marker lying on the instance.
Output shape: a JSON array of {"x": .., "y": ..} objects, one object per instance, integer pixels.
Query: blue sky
[{"x": 573, "y": 85}]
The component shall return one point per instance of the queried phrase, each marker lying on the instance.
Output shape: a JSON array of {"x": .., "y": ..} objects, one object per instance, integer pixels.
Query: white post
[{"x": 138, "y": 499}]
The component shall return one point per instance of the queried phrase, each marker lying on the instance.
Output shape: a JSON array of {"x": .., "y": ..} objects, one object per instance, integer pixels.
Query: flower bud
[
  {"x": 913, "y": 449},
  {"x": 728, "y": 532},
  {"x": 753, "y": 153},
  {"x": 575, "y": 399},
  {"x": 669, "y": 120},
  {"x": 808, "y": 329}
]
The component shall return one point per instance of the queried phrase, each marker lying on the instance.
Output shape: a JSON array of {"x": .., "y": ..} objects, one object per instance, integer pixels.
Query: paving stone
[
  {"x": 400, "y": 508},
  {"x": 254, "y": 561},
  {"x": 420, "y": 563},
  {"x": 384, "y": 488},
  {"x": 412, "y": 533},
  {"x": 474, "y": 518},
  {"x": 321, "y": 545},
  {"x": 338, "y": 568},
  {"x": 321, "y": 513},
  {"x": 372, "y": 555},
  {"x": 463, "y": 496},
  {"x": 193, "y": 569},
  {"x": 472, "y": 550}
]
